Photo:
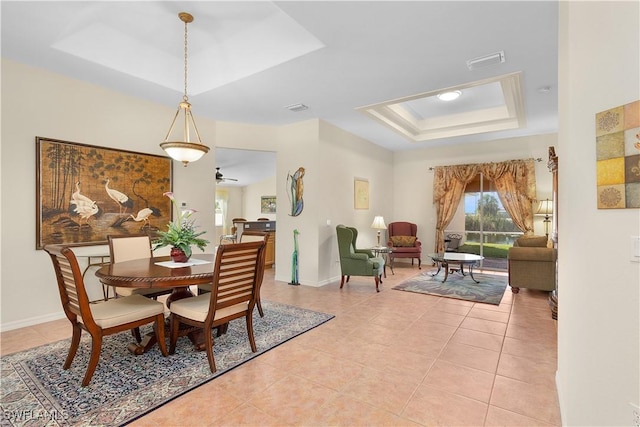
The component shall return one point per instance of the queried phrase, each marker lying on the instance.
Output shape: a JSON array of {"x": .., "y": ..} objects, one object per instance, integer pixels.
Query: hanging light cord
[
  {"x": 185, "y": 150},
  {"x": 185, "y": 97}
]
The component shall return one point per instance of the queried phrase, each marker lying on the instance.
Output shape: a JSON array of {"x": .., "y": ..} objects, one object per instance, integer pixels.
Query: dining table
[{"x": 161, "y": 272}]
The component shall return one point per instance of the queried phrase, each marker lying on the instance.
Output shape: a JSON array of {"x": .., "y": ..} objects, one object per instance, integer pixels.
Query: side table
[{"x": 377, "y": 250}]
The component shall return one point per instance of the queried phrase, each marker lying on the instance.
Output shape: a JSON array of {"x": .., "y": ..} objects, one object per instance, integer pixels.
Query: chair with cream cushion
[
  {"x": 253, "y": 236},
  {"x": 233, "y": 295},
  {"x": 126, "y": 248},
  {"x": 257, "y": 236},
  {"x": 101, "y": 319}
]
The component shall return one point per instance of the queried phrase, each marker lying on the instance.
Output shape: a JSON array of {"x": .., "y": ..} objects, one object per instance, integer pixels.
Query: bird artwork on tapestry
[
  {"x": 143, "y": 215},
  {"x": 78, "y": 196},
  {"x": 85, "y": 210},
  {"x": 82, "y": 206},
  {"x": 123, "y": 201}
]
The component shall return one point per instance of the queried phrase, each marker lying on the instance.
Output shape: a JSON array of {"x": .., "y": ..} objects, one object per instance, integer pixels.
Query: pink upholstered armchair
[{"x": 404, "y": 242}]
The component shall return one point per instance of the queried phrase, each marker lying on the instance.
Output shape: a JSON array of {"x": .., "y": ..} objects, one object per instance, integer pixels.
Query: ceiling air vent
[
  {"x": 296, "y": 107},
  {"x": 483, "y": 61}
]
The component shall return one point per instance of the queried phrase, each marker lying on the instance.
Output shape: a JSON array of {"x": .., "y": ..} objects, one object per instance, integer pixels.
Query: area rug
[
  {"x": 490, "y": 289},
  {"x": 37, "y": 391}
]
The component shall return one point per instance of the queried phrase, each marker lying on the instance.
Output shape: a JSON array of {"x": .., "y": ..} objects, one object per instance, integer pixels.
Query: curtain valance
[{"x": 515, "y": 183}]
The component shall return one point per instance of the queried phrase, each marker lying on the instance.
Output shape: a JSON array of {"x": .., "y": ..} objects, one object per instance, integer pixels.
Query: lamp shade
[
  {"x": 378, "y": 223},
  {"x": 545, "y": 207},
  {"x": 184, "y": 152}
]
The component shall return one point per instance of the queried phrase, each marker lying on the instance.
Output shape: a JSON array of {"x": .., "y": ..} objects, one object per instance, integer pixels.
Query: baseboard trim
[
  {"x": 9, "y": 326},
  {"x": 315, "y": 285}
]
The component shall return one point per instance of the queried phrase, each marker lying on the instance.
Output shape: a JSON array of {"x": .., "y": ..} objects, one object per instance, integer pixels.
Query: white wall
[
  {"x": 598, "y": 321},
  {"x": 344, "y": 157},
  {"x": 252, "y": 195},
  {"x": 298, "y": 147}
]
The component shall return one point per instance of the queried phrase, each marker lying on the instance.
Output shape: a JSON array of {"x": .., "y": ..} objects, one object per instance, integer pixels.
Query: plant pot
[{"x": 178, "y": 255}]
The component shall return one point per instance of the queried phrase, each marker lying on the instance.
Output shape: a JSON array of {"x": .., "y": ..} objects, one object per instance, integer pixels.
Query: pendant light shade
[{"x": 184, "y": 150}]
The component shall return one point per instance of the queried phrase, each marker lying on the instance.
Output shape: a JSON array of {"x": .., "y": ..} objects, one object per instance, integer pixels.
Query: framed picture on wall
[
  {"x": 618, "y": 157},
  {"x": 85, "y": 193},
  {"x": 360, "y": 193},
  {"x": 268, "y": 204}
]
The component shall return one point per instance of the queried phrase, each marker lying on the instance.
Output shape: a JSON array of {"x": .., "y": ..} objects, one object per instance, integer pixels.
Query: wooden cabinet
[{"x": 270, "y": 256}]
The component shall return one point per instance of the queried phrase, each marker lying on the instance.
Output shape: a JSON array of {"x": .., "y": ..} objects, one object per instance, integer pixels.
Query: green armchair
[
  {"x": 356, "y": 262},
  {"x": 532, "y": 264}
]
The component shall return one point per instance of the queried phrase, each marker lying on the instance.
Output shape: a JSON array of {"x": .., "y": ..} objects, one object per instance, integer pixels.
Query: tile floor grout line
[
  {"x": 493, "y": 383},
  {"x": 435, "y": 359}
]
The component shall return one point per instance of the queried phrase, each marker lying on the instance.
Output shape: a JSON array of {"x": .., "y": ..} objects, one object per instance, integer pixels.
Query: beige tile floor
[{"x": 387, "y": 359}]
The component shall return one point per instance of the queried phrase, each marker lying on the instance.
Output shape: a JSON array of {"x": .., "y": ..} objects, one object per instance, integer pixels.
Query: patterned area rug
[
  {"x": 490, "y": 289},
  {"x": 37, "y": 391}
]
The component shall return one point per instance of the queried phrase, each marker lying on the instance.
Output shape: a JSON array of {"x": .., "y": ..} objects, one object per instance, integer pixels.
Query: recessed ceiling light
[{"x": 449, "y": 96}]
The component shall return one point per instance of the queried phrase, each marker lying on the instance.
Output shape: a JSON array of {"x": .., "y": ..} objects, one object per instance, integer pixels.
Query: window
[{"x": 488, "y": 227}]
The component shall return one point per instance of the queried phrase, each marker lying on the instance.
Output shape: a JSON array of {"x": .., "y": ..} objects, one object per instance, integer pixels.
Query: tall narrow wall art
[{"x": 295, "y": 188}]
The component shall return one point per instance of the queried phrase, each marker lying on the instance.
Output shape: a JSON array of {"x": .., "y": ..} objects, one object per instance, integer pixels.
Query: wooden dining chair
[
  {"x": 101, "y": 319},
  {"x": 253, "y": 236},
  {"x": 257, "y": 236},
  {"x": 126, "y": 248},
  {"x": 233, "y": 296}
]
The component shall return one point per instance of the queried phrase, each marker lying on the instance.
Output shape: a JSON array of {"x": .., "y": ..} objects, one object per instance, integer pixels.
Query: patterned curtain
[
  {"x": 448, "y": 187},
  {"x": 515, "y": 182}
]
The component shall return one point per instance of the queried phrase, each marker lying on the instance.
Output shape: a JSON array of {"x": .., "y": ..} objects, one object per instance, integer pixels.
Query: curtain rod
[{"x": 539, "y": 159}]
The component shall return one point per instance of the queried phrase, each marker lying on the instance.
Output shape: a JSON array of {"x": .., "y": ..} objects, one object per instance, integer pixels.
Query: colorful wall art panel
[{"x": 618, "y": 157}]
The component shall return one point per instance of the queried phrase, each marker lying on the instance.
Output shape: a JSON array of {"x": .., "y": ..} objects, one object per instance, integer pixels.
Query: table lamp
[
  {"x": 378, "y": 224},
  {"x": 545, "y": 208}
]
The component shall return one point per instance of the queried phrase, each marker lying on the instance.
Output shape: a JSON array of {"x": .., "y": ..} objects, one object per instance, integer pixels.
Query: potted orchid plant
[{"x": 181, "y": 234}]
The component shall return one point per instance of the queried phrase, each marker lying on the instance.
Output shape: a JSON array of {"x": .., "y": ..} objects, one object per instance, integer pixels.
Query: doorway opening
[{"x": 247, "y": 175}]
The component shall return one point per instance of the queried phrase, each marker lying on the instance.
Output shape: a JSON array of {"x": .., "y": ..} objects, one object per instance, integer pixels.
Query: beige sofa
[{"x": 532, "y": 264}]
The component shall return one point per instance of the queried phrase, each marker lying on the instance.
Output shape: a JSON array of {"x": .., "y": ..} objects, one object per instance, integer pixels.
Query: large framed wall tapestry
[
  {"x": 85, "y": 193},
  {"x": 618, "y": 157}
]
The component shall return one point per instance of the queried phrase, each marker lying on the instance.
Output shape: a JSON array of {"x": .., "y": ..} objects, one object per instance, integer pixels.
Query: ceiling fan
[{"x": 221, "y": 178}]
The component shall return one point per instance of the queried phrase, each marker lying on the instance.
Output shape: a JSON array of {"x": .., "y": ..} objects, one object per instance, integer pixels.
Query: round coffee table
[{"x": 444, "y": 259}]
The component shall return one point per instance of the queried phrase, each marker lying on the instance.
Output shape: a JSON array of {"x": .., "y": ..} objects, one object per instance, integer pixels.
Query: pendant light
[{"x": 185, "y": 151}]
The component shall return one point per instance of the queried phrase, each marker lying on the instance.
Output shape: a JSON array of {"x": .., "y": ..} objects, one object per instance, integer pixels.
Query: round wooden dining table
[{"x": 146, "y": 273}]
